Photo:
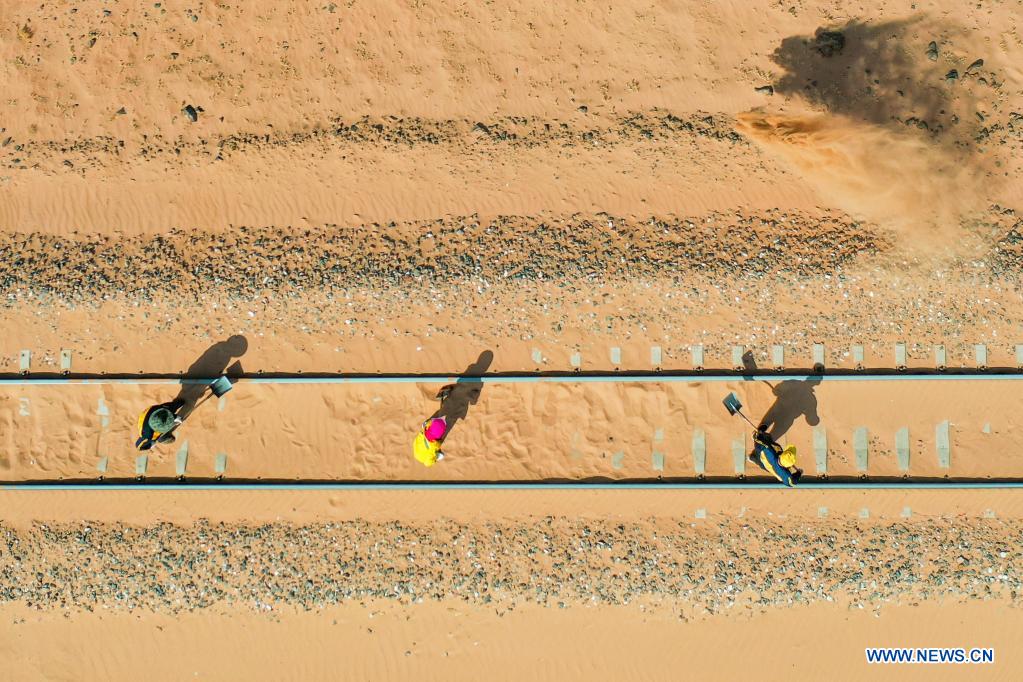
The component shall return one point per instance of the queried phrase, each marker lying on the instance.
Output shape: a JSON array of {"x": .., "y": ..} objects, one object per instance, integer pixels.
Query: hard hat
[
  {"x": 436, "y": 429},
  {"x": 788, "y": 457},
  {"x": 161, "y": 420}
]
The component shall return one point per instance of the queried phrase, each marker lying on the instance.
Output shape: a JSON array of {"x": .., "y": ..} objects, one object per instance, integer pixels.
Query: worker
[
  {"x": 769, "y": 455},
  {"x": 426, "y": 446},
  {"x": 156, "y": 424}
]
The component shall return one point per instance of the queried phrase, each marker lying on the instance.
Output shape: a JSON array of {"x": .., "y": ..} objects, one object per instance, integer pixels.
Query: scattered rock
[
  {"x": 828, "y": 43},
  {"x": 765, "y": 89},
  {"x": 172, "y": 569},
  {"x": 932, "y": 51},
  {"x": 191, "y": 113}
]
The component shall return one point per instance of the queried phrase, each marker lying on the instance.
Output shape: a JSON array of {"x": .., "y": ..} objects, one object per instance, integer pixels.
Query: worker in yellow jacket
[
  {"x": 426, "y": 446},
  {"x": 157, "y": 423}
]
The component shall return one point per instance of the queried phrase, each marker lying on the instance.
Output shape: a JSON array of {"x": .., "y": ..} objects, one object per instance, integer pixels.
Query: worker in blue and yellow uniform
[
  {"x": 156, "y": 423},
  {"x": 775, "y": 460}
]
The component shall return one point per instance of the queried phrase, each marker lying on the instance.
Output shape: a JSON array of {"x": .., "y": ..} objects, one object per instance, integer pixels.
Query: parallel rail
[
  {"x": 516, "y": 378},
  {"x": 178, "y": 486}
]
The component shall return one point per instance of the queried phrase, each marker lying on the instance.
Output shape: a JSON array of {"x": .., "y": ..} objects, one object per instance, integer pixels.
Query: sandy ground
[
  {"x": 510, "y": 431},
  {"x": 369, "y": 187},
  {"x": 357, "y": 186},
  {"x": 437, "y": 643},
  {"x": 546, "y": 585}
]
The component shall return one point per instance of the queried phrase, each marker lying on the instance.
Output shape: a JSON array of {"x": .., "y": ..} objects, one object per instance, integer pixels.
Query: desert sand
[
  {"x": 513, "y": 431},
  {"x": 546, "y": 585},
  {"x": 395, "y": 188},
  {"x": 359, "y": 187}
]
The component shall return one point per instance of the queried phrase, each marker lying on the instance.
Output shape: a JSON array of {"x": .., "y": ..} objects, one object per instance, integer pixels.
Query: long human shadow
[
  {"x": 792, "y": 399},
  {"x": 216, "y": 360},
  {"x": 456, "y": 398}
]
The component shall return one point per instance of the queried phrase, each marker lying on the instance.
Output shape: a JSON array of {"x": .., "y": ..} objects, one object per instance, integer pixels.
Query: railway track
[
  {"x": 993, "y": 374},
  {"x": 606, "y": 430},
  {"x": 100, "y": 486}
]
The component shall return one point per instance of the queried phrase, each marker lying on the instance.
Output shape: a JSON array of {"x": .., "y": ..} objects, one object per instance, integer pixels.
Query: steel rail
[
  {"x": 175, "y": 486},
  {"x": 617, "y": 377}
]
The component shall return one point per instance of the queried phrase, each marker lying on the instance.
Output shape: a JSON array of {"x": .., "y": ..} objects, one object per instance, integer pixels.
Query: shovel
[
  {"x": 734, "y": 407},
  {"x": 218, "y": 387}
]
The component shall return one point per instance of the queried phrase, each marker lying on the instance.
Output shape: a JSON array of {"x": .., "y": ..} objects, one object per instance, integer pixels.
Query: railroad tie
[
  {"x": 900, "y": 355},
  {"x": 980, "y": 354},
  {"x": 943, "y": 445},
  {"x": 657, "y": 460},
  {"x": 700, "y": 452},
  {"x": 220, "y": 466},
  {"x": 657, "y": 457},
  {"x": 820, "y": 449},
  {"x": 697, "y": 352},
  {"x": 902, "y": 448},
  {"x": 818, "y": 355},
  {"x": 860, "y": 445},
  {"x": 182, "y": 460},
  {"x": 739, "y": 455},
  {"x": 617, "y": 459}
]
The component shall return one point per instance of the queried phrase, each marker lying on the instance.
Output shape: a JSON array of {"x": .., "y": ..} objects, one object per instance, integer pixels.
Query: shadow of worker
[
  {"x": 456, "y": 398},
  {"x": 210, "y": 365},
  {"x": 793, "y": 399}
]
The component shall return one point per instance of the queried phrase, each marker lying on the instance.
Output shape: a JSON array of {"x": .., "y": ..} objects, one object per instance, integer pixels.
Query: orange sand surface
[
  {"x": 380, "y": 187},
  {"x": 506, "y": 431},
  {"x": 652, "y": 638},
  {"x": 440, "y": 642},
  {"x": 445, "y": 187}
]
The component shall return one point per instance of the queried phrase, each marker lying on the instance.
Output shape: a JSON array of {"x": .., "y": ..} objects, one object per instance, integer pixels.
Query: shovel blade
[
  {"x": 220, "y": 386},
  {"x": 732, "y": 404}
]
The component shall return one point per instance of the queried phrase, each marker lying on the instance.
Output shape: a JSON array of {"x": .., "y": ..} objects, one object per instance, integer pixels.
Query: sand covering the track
[
  {"x": 508, "y": 431},
  {"x": 397, "y": 187}
]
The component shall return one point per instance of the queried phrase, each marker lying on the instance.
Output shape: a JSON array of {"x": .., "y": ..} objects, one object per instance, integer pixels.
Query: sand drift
[{"x": 522, "y": 429}]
